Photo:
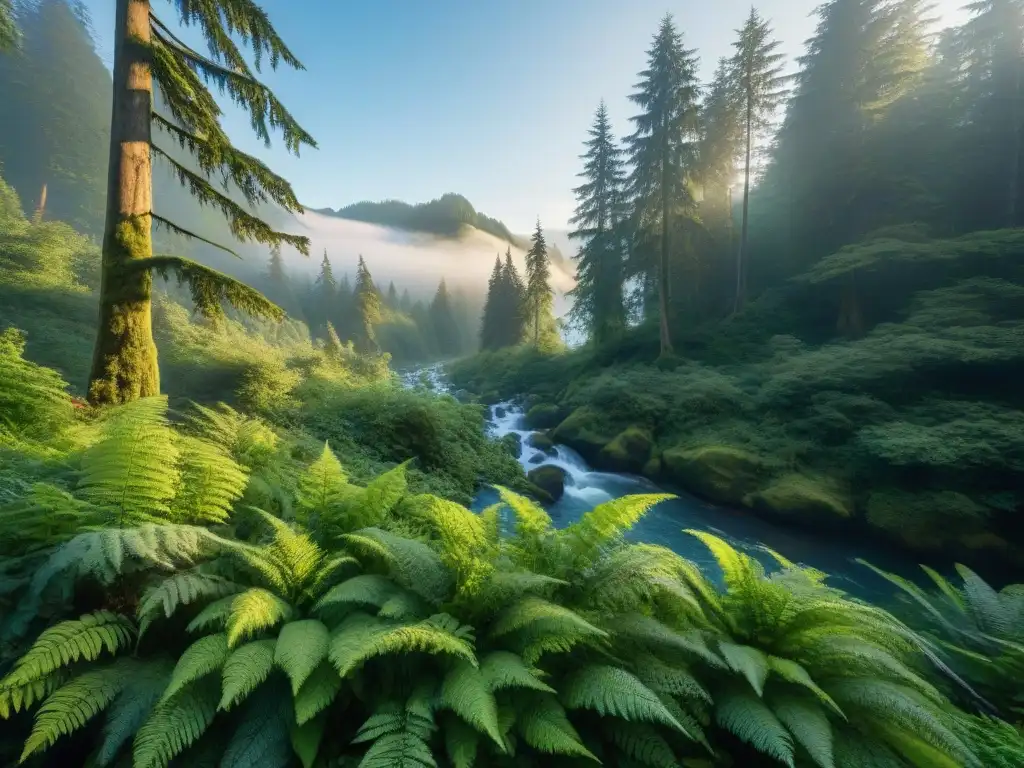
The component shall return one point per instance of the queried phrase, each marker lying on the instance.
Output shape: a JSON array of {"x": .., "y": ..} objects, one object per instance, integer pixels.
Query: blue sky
[{"x": 410, "y": 99}]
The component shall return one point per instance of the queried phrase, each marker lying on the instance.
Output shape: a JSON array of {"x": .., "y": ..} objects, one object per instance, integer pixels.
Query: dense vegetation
[{"x": 841, "y": 347}]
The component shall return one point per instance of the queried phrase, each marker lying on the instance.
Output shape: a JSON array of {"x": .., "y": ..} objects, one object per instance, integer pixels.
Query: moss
[
  {"x": 811, "y": 500},
  {"x": 513, "y": 443},
  {"x": 583, "y": 431},
  {"x": 720, "y": 473},
  {"x": 653, "y": 467},
  {"x": 541, "y": 442},
  {"x": 926, "y": 520},
  {"x": 550, "y": 479},
  {"x": 543, "y": 416},
  {"x": 629, "y": 451}
]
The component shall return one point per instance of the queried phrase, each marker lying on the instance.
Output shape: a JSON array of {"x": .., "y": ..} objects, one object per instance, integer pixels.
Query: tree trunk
[
  {"x": 664, "y": 300},
  {"x": 41, "y": 208},
  {"x": 1015, "y": 139},
  {"x": 741, "y": 254},
  {"x": 124, "y": 365}
]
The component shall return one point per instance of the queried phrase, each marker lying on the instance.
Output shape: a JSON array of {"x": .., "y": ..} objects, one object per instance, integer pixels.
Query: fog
[{"x": 414, "y": 261}]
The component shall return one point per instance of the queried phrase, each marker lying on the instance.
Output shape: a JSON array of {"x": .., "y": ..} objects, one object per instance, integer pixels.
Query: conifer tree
[
  {"x": 9, "y": 35},
  {"x": 392, "y": 297},
  {"x": 597, "y": 298},
  {"x": 538, "y": 295},
  {"x": 662, "y": 151},
  {"x": 325, "y": 296},
  {"x": 343, "y": 311},
  {"x": 490, "y": 325},
  {"x": 442, "y": 319},
  {"x": 368, "y": 305},
  {"x": 145, "y": 50},
  {"x": 512, "y": 318},
  {"x": 756, "y": 69},
  {"x": 405, "y": 303}
]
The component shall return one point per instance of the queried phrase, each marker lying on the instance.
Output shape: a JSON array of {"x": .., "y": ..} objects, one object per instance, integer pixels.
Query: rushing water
[{"x": 664, "y": 524}]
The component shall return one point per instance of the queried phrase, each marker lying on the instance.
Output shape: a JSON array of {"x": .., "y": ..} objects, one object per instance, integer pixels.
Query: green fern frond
[
  {"x": 306, "y": 740},
  {"x": 608, "y": 521},
  {"x": 463, "y": 540},
  {"x": 404, "y": 606},
  {"x": 467, "y": 693},
  {"x": 808, "y": 724},
  {"x": 213, "y": 616},
  {"x": 322, "y": 486},
  {"x": 133, "y": 471},
  {"x": 297, "y": 556},
  {"x": 21, "y": 698},
  {"x": 748, "y": 661},
  {"x": 544, "y": 726},
  {"x": 381, "y": 497},
  {"x": 675, "y": 679},
  {"x": 175, "y": 725},
  {"x": 260, "y": 561},
  {"x": 366, "y": 589},
  {"x": 533, "y": 610},
  {"x": 328, "y": 574},
  {"x": 634, "y": 575},
  {"x": 739, "y": 571},
  {"x": 502, "y": 587},
  {"x": 182, "y": 588},
  {"x": 253, "y": 611},
  {"x": 245, "y": 669},
  {"x": 412, "y": 564},
  {"x": 72, "y": 705},
  {"x": 84, "y": 638},
  {"x": 983, "y": 603},
  {"x": 263, "y": 736},
  {"x": 317, "y": 693},
  {"x": 205, "y": 655},
  {"x": 642, "y": 743},
  {"x": 792, "y": 672},
  {"x": 745, "y": 715},
  {"x": 399, "y": 736},
  {"x": 462, "y": 742},
  {"x": 531, "y": 519},
  {"x": 249, "y": 441},
  {"x": 647, "y": 632},
  {"x": 613, "y": 691},
  {"x": 920, "y": 753},
  {"x": 504, "y": 670},
  {"x": 301, "y": 646},
  {"x": 211, "y": 482},
  {"x": 144, "y": 683},
  {"x": 360, "y": 638}
]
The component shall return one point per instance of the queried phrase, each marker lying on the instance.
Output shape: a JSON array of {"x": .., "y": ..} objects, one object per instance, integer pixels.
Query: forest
[{"x": 232, "y": 535}]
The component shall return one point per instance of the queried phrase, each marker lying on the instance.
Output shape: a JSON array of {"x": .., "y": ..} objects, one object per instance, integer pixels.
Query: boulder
[
  {"x": 537, "y": 458},
  {"x": 652, "y": 469},
  {"x": 583, "y": 432},
  {"x": 513, "y": 444},
  {"x": 543, "y": 416},
  {"x": 500, "y": 413},
  {"x": 541, "y": 442},
  {"x": 550, "y": 479},
  {"x": 720, "y": 473},
  {"x": 811, "y": 501},
  {"x": 629, "y": 451}
]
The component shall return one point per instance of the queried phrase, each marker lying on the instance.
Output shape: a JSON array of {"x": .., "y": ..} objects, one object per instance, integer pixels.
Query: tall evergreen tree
[
  {"x": 125, "y": 360},
  {"x": 325, "y": 297},
  {"x": 368, "y": 307},
  {"x": 597, "y": 297},
  {"x": 9, "y": 34},
  {"x": 442, "y": 319},
  {"x": 490, "y": 325},
  {"x": 392, "y": 297},
  {"x": 538, "y": 297},
  {"x": 405, "y": 303},
  {"x": 662, "y": 151},
  {"x": 760, "y": 86},
  {"x": 512, "y": 318}
]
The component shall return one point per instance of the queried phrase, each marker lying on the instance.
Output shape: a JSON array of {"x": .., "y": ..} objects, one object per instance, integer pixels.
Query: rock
[
  {"x": 812, "y": 501},
  {"x": 550, "y": 479},
  {"x": 537, "y": 458},
  {"x": 719, "y": 473},
  {"x": 582, "y": 431},
  {"x": 652, "y": 469},
  {"x": 543, "y": 416},
  {"x": 541, "y": 442},
  {"x": 513, "y": 444},
  {"x": 500, "y": 413},
  {"x": 463, "y": 396},
  {"x": 629, "y": 451}
]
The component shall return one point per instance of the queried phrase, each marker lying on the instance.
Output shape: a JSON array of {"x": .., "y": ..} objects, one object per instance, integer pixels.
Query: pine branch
[
  {"x": 244, "y": 226},
  {"x": 252, "y": 178},
  {"x": 210, "y": 288},
  {"x": 161, "y": 221}
]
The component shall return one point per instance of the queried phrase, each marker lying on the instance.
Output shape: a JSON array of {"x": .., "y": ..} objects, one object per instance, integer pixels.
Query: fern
[
  {"x": 462, "y": 742},
  {"x": 642, "y": 743},
  {"x": 792, "y": 672},
  {"x": 464, "y": 542},
  {"x": 380, "y": 498},
  {"x": 204, "y": 656},
  {"x": 503, "y": 670},
  {"x": 174, "y": 725},
  {"x": 301, "y": 646},
  {"x": 367, "y": 589},
  {"x": 467, "y": 692},
  {"x": 317, "y": 693},
  {"x": 613, "y": 691},
  {"x": 143, "y": 684},
  {"x": 245, "y": 669},
  {"x": 749, "y": 718},
  {"x": 749, "y": 662},
  {"x": 183, "y": 588},
  {"x": 211, "y": 482},
  {"x": 262, "y": 738},
  {"x": 399, "y": 737},
  {"x": 322, "y": 486},
  {"x": 809, "y": 726},
  {"x": 253, "y": 611},
  {"x": 608, "y": 521},
  {"x": 553, "y": 617},
  {"x": 306, "y": 740},
  {"x": 543, "y": 725},
  {"x": 213, "y": 616},
  {"x": 531, "y": 519},
  {"x": 412, "y": 564}
]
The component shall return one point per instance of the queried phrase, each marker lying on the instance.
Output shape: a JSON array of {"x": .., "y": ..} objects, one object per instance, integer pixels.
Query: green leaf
[
  {"x": 749, "y": 662},
  {"x": 254, "y": 611},
  {"x": 205, "y": 655},
  {"x": 263, "y": 736},
  {"x": 175, "y": 725},
  {"x": 808, "y": 724},
  {"x": 746, "y": 716},
  {"x": 306, "y": 740},
  {"x": 317, "y": 693},
  {"x": 503, "y": 670},
  {"x": 466, "y": 692},
  {"x": 245, "y": 670},
  {"x": 612, "y": 691},
  {"x": 544, "y": 726},
  {"x": 301, "y": 646}
]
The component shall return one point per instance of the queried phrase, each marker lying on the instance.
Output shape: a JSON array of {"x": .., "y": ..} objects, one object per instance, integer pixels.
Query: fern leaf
[
  {"x": 533, "y": 610},
  {"x": 739, "y": 571},
  {"x": 328, "y": 574},
  {"x": 213, "y": 616},
  {"x": 608, "y": 521},
  {"x": 809, "y": 726},
  {"x": 748, "y": 661},
  {"x": 412, "y": 564},
  {"x": 464, "y": 542},
  {"x": 360, "y": 638},
  {"x": 133, "y": 471},
  {"x": 245, "y": 669},
  {"x": 205, "y": 655},
  {"x": 211, "y": 482},
  {"x": 398, "y": 750},
  {"x": 919, "y": 752},
  {"x": 175, "y": 725},
  {"x": 675, "y": 680},
  {"x": 317, "y": 693},
  {"x": 301, "y": 646},
  {"x": 504, "y": 670},
  {"x": 544, "y": 726},
  {"x": 72, "y": 705},
  {"x": 299, "y": 558},
  {"x": 746, "y": 716},
  {"x": 144, "y": 683},
  {"x": 366, "y": 589},
  {"x": 322, "y": 486},
  {"x": 642, "y": 743},
  {"x": 465, "y": 691},
  {"x": 531, "y": 519},
  {"x": 983, "y": 603},
  {"x": 792, "y": 672},
  {"x": 461, "y": 742},
  {"x": 306, "y": 740},
  {"x": 612, "y": 691},
  {"x": 263, "y": 736},
  {"x": 182, "y": 588},
  {"x": 254, "y": 611},
  {"x": 382, "y": 495},
  {"x": 648, "y": 632}
]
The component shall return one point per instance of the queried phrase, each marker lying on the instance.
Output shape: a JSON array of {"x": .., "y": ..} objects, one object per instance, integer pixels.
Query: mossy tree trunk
[
  {"x": 664, "y": 298},
  {"x": 124, "y": 364}
]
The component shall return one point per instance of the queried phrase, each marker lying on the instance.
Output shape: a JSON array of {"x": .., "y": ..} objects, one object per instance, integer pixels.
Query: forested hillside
[{"x": 842, "y": 348}]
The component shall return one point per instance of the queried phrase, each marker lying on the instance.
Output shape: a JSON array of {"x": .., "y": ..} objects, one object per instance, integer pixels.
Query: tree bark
[
  {"x": 741, "y": 254},
  {"x": 664, "y": 300},
  {"x": 124, "y": 365}
]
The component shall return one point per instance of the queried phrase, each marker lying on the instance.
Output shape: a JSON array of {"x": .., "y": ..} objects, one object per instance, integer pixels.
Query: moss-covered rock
[
  {"x": 541, "y": 442},
  {"x": 544, "y": 416},
  {"x": 583, "y": 431},
  {"x": 925, "y": 520},
  {"x": 719, "y": 473},
  {"x": 550, "y": 479},
  {"x": 629, "y": 451},
  {"x": 513, "y": 443},
  {"x": 653, "y": 467},
  {"x": 812, "y": 501},
  {"x": 537, "y": 458}
]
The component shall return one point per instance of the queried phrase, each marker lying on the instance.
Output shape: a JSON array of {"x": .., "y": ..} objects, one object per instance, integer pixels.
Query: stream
[{"x": 585, "y": 488}]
